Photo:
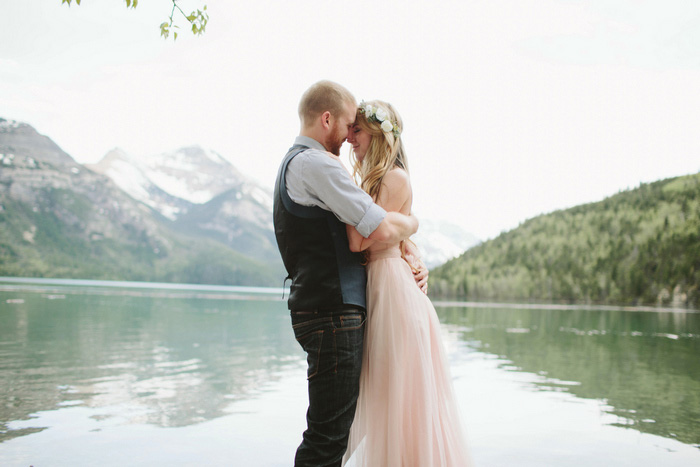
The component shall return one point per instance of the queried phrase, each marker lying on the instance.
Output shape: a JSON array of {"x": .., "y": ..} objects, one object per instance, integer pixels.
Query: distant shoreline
[
  {"x": 104, "y": 287},
  {"x": 237, "y": 292},
  {"x": 560, "y": 306}
]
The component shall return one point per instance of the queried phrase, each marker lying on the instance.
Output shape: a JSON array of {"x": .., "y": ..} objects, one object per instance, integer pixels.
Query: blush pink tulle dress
[{"x": 407, "y": 414}]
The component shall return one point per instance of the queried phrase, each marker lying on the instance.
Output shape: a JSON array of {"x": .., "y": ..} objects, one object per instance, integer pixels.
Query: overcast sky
[{"x": 512, "y": 108}]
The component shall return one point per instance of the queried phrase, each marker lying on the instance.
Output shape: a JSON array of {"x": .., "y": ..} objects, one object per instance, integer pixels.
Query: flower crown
[{"x": 375, "y": 114}]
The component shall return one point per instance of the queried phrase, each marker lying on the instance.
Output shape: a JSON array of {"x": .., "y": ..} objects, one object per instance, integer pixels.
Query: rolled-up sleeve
[
  {"x": 369, "y": 223},
  {"x": 326, "y": 179}
]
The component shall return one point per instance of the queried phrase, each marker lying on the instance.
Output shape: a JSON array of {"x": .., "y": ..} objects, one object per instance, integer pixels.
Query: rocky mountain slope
[
  {"x": 182, "y": 216},
  {"x": 61, "y": 219},
  {"x": 202, "y": 193}
]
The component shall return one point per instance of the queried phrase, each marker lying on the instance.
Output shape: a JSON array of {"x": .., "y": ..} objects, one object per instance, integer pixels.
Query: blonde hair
[
  {"x": 323, "y": 96},
  {"x": 384, "y": 153}
]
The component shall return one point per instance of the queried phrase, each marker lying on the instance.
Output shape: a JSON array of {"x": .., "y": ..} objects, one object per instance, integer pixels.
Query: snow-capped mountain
[
  {"x": 133, "y": 177},
  {"x": 192, "y": 173},
  {"x": 60, "y": 219},
  {"x": 202, "y": 193},
  {"x": 171, "y": 182},
  {"x": 440, "y": 241}
]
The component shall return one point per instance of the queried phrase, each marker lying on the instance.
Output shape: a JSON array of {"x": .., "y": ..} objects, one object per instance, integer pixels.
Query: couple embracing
[{"x": 380, "y": 391}]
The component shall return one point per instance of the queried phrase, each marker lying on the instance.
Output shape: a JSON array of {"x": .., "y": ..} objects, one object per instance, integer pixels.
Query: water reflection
[
  {"x": 199, "y": 360},
  {"x": 182, "y": 360},
  {"x": 642, "y": 365}
]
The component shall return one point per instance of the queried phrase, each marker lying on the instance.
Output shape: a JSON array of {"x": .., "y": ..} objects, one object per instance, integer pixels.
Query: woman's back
[{"x": 395, "y": 195}]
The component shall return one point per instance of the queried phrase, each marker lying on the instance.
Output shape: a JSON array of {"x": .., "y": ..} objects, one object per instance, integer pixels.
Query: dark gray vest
[{"x": 313, "y": 243}]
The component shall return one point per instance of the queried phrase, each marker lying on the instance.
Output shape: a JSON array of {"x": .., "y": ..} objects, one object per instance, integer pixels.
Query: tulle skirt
[{"x": 407, "y": 415}]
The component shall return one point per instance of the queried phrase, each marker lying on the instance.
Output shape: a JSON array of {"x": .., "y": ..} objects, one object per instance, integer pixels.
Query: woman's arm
[
  {"x": 395, "y": 198},
  {"x": 394, "y": 228},
  {"x": 355, "y": 240}
]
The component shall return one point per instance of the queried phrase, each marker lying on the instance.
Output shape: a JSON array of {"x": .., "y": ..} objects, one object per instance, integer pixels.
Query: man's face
[{"x": 340, "y": 128}]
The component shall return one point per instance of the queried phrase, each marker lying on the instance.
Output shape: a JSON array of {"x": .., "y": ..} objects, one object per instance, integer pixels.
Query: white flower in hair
[{"x": 376, "y": 114}]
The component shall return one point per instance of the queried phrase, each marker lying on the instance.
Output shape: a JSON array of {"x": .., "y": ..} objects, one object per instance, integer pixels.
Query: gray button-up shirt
[{"x": 315, "y": 179}]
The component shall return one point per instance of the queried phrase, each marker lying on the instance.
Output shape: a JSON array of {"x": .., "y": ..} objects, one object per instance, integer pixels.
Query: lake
[{"x": 113, "y": 374}]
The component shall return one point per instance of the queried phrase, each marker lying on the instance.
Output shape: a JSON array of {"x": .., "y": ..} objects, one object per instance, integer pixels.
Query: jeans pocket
[
  {"x": 310, "y": 332},
  {"x": 311, "y": 342},
  {"x": 348, "y": 338},
  {"x": 351, "y": 322},
  {"x": 330, "y": 341}
]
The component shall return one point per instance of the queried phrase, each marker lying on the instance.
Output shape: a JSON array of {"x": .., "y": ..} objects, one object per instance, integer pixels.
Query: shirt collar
[{"x": 309, "y": 142}]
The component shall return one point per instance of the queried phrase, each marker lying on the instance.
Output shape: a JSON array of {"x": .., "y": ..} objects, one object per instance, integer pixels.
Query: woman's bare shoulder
[
  {"x": 396, "y": 191},
  {"x": 397, "y": 176}
]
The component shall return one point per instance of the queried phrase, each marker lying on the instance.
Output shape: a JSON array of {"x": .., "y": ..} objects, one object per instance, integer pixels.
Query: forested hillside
[{"x": 640, "y": 246}]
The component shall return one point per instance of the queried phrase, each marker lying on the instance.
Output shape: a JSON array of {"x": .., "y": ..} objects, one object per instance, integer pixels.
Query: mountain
[
  {"x": 61, "y": 219},
  {"x": 202, "y": 193},
  {"x": 440, "y": 241},
  {"x": 128, "y": 175},
  {"x": 21, "y": 139},
  {"x": 234, "y": 218},
  {"x": 171, "y": 182},
  {"x": 641, "y": 246},
  {"x": 186, "y": 216}
]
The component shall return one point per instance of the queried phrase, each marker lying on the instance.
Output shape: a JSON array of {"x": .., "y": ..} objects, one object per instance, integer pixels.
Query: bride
[{"x": 407, "y": 414}]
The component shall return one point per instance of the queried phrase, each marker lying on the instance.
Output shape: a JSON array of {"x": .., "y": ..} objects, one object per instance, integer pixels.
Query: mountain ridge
[
  {"x": 202, "y": 194},
  {"x": 640, "y": 246},
  {"x": 251, "y": 203},
  {"x": 139, "y": 202},
  {"x": 60, "y": 219}
]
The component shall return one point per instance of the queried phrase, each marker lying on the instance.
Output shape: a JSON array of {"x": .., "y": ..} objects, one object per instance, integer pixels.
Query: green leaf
[{"x": 164, "y": 31}]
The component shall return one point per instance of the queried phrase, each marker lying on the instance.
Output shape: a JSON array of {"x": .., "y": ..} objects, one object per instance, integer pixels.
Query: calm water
[{"x": 92, "y": 374}]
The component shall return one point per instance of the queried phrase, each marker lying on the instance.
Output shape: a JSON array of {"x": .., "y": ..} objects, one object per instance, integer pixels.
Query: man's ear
[{"x": 326, "y": 120}]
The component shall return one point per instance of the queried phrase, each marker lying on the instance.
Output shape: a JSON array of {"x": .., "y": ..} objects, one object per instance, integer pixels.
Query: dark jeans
[{"x": 333, "y": 344}]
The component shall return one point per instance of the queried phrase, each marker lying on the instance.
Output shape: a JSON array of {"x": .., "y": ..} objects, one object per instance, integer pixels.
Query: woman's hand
[
  {"x": 421, "y": 277},
  {"x": 420, "y": 272}
]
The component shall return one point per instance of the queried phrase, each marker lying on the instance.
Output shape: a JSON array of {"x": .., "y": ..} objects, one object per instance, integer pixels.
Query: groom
[{"x": 314, "y": 199}]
